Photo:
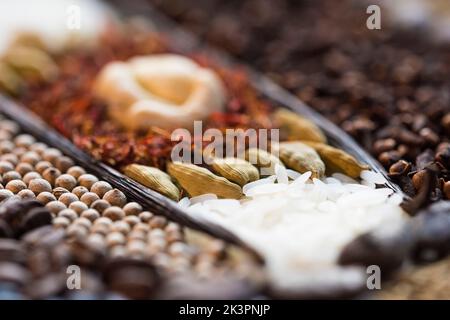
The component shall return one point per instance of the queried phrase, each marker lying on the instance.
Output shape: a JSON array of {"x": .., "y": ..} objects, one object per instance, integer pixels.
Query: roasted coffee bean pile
[
  {"x": 54, "y": 214},
  {"x": 37, "y": 265},
  {"x": 387, "y": 88}
]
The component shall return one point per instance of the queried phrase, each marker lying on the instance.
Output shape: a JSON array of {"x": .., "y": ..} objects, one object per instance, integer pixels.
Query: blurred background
[{"x": 388, "y": 88}]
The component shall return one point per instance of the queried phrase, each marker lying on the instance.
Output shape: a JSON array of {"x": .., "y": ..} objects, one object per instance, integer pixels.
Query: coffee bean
[
  {"x": 12, "y": 251},
  {"x": 13, "y": 273},
  {"x": 133, "y": 278},
  {"x": 35, "y": 218},
  {"x": 115, "y": 197}
]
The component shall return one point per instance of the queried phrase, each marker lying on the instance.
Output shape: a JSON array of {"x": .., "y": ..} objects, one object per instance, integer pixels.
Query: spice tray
[{"x": 386, "y": 248}]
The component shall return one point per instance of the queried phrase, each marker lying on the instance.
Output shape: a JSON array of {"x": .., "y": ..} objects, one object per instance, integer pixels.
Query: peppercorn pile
[
  {"x": 388, "y": 88},
  {"x": 53, "y": 214}
]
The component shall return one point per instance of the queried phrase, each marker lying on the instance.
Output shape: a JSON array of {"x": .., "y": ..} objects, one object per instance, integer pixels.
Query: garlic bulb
[{"x": 164, "y": 90}]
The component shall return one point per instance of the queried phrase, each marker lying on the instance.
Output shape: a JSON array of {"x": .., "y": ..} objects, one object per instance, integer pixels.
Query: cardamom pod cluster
[
  {"x": 305, "y": 150},
  {"x": 154, "y": 179},
  {"x": 197, "y": 181}
]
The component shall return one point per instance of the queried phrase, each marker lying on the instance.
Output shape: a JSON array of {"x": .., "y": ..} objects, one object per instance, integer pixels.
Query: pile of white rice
[{"x": 301, "y": 225}]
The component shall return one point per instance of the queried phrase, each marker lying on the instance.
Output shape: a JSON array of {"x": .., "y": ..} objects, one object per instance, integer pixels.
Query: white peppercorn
[
  {"x": 6, "y": 146},
  {"x": 57, "y": 192},
  {"x": 121, "y": 226},
  {"x": 114, "y": 213},
  {"x": 142, "y": 226},
  {"x": 87, "y": 180},
  {"x": 11, "y": 158},
  {"x": 158, "y": 222},
  {"x": 83, "y": 222},
  {"x": 23, "y": 168},
  {"x": 76, "y": 231},
  {"x": 136, "y": 247},
  {"x": 5, "y": 194},
  {"x": 145, "y": 216},
  {"x": 89, "y": 198},
  {"x": 66, "y": 181},
  {"x": 137, "y": 234},
  {"x": 116, "y": 198},
  {"x": 41, "y": 166},
  {"x": 172, "y": 227},
  {"x": 30, "y": 157},
  {"x": 61, "y": 222},
  {"x": 100, "y": 205},
  {"x": 50, "y": 174},
  {"x": 132, "y": 220},
  {"x": 157, "y": 245},
  {"x": 117, "y": 251},
  {"x": 104, "y": 220},
  {"x": 55, "y": 206},
  {"x": 132, "y": 208},
  {"x": 5, "y": 166},
  {"x": 64, "y": 163},
  {"x": 45, "y": 197},
  {"x": 76, "y": 171},
  {"x": 38, "y": 147},
  {"x": 78, "y": 207},
  {"x": 156, "y": 233},
  {"x": 31, "y": 176},
  {"x": 102, "y": 229},
  {"x": 15, "y": 186},
  {"x": 115, "y": 238},
  {"x": 90, "y": 214},
  {"x": 10, "y": 176},
  {"x": 39, "y": 185},
  {"x": 4, "y": 135},
  {"x": 19, "y": 151},
  {"x": 79, "y": 191},
  {"x": 67, "y": 198},
  {"x": 9, "y": 126},
  {"x": 100, "y": 188},
  {"x": 69, "y": 214},
  {"x": 51, "y": 154},
  {"x": 24, "y": 140},
  {"x": 26, "y": 194},
  {"x": 96, "y": 239}
]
